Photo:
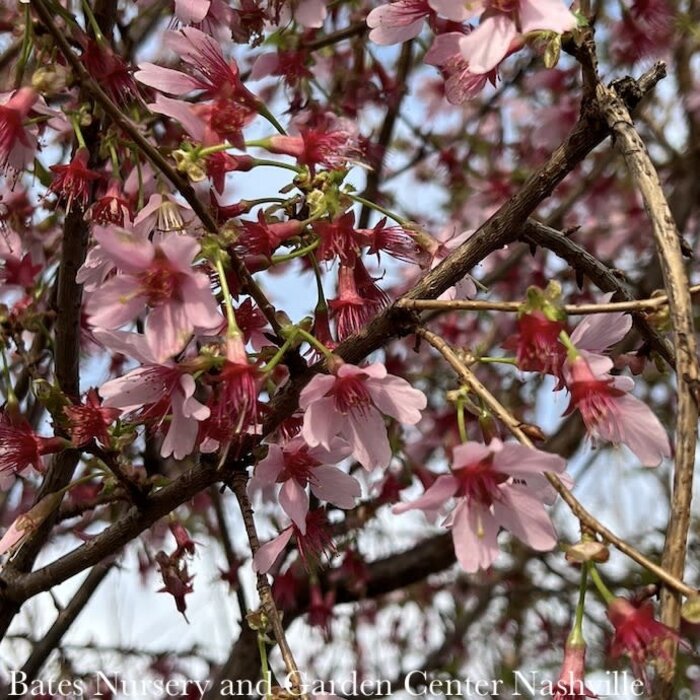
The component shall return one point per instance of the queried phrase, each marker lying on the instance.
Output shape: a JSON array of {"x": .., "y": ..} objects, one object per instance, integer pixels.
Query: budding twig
[{"x": 513, "y": 424}]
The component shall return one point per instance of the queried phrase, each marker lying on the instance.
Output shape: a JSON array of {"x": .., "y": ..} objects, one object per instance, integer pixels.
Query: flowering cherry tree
[{"x": 276, "y": 273}]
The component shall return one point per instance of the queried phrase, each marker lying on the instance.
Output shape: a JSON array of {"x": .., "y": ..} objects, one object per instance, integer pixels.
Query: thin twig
[
  {"x": 515, "y": 306},
  {"x": 515, "y": 427},
  {"x": 239, "y": 483}
]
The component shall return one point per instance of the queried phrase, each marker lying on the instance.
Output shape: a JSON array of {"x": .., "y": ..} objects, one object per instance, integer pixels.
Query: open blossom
[
  {"x": 21, "y": 447},
  {"x": 313, "y": 543},
  {"x": 461, "y": 83},
  {"x": 295, "y": 465},
  {"x": 158, "y": 276},
  {"x": 217, "y": 77},
  {"x": 17, "y": 143},
  {"x": 234, "y": 403},
  {"x": 231, "y": 107},
  {"x": 329, "y": 149},
  {"x": 350, "y": 402},
  {"x": 72, "y": 182},
  {"x": 502, "y": 23},
  {"x": 156, "y": 391},
  {"x": 611, "y": 413},
  {"x": 638, "y": 635},
  {"x": 90, "y": 420},
  {"x": 499, "y": 485},
  {"x": 401, "y": 20}
]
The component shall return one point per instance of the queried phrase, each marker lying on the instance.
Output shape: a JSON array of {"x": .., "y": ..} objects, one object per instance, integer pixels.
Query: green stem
[
  {"x": 461, "y": 423},
  {"x": 604, "y": 591},
  {"x": 382, "y": 210},
  {"x": 267, "y": 114},
  {"x": 273, "y": 163},
  {"x": 233, "y": 329},
  {"x": 571, "y": 350},
  {"x": 576, "y": 635},
  {"x": 299, "y": 253},
  {"x": 262, "y": 650},
  {"x": 78, "y": 132},
  {"x": 99, "y": 36},
  {"x": 315, "y": 343},
  {"x": 277, "y": 357},
  {"x": 26, "y": 47},
  {"x": 499, "y": 360}
]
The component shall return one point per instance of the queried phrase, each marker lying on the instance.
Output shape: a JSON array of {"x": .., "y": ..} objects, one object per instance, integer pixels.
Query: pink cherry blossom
[
  {"x": 460, "y": 82},
  {"x": 296, "y": 465},
  {"x": 611, "y": 413},
  {"x": 310, "y": 13},
  {"x": 502, "y": 25},
  {"x": 217, "y": 77},
  {"x": 350, "y": 402},
  {"x": 155, "y": 391},
  {"x": 502, "y": 485},
  {"x": 313, "y": 543},
  {"x": 157, "y": 276},
  {"x": 397, "y": 21},
  {"x": 17, "y": 143}
]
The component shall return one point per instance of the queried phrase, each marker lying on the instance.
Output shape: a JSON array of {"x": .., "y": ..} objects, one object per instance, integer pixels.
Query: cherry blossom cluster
[
  {"x": 127, "y": 243},
  {"x": 467, "y": 55}
]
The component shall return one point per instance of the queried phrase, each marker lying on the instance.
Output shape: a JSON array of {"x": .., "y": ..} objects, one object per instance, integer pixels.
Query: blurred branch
[{"x": 67, "y": 616}]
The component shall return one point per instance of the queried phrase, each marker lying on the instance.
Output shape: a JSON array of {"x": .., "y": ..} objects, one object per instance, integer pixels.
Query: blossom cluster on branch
[{"x": 259, "y": 266}]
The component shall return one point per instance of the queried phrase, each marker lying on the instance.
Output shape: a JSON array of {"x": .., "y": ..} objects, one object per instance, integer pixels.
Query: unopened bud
[
  {"x": 587, "y": 550},
  {"x": 49, "y": 80}
]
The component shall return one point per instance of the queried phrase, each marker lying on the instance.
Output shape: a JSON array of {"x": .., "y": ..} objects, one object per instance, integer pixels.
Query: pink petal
[
  {"x": 322, "y": 422},
  {"x": 295, "y": 503},
  {"x": 130, "y": 344},
  {"x": 598, "y": 332},
  {"x": 115, "y": 303},
  {"x": 200, "y": 307},
  {"x": 469, "y": 453},
  {"x": 456, "y": 11},
  {"x": 332, "y": 485},
  {"x": 642, "y": 431},
  {"x": 266, "y": 556},
  {"x": 182, "y": 433},
  {"x": 444, "y": 47},
  {"x": 488, "y": 44},
  {"x": 434, "y": 498},
  {"x": 522, "y": 514},
  {"x": 191, "y": 11},
  {"x": 167, "y": 80},
  {"x": 310, "y": 13},
  {"x": 182, "y": 112},
  {"x": 395, "y": 397},
  {"x": 475, "y": 536},
  {"x": 552, "y": 15},
  {"x": 129, "y": 251},
  {"x": 138, "y": 388},
  {"x": 167, "y": 330},
  {"x": 366, "y": 433},
  {"x": 520, "y": 461},
  {"x": 267, "y": 470},
  {"x": 318, "y": 387}
]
